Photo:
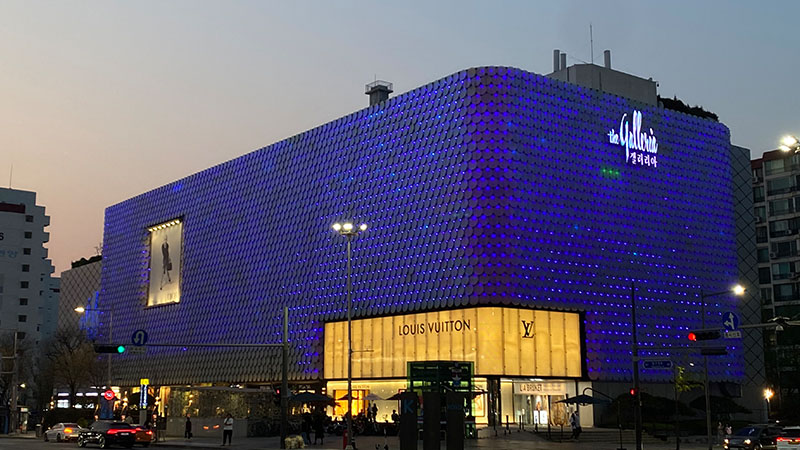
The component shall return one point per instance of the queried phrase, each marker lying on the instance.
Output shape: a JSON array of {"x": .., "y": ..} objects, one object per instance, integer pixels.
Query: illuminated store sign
[
  {"x": 540, "y": 388},
  {"x": 500, "y": 341},
  {"x": 641, "y": 148}
]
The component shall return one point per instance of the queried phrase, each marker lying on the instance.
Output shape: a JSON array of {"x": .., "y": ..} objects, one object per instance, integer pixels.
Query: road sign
[
  {"x": 657, "y": 364},
  {"x": 137, "y": 350},
  {"x": 733, "y": 334},
  {"x": 730, "y": 321},
  {"x": 139, "y": 337}
]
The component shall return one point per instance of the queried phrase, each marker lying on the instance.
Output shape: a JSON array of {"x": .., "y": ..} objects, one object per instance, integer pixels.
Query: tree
[
  {"x": 72, "y": 361},
  {"x": 24, "y": 358}
]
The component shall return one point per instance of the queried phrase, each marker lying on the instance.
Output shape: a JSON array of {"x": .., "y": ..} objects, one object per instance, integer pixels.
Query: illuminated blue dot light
[{"x": 490, "y": 186}]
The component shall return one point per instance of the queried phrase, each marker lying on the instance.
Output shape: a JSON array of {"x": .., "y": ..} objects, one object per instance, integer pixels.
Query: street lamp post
[
  {"x": 768, "y": 395},
  {"x": 737, "y": 290},
  {"x": 349, "y": 231},
  {"x": 82, "y": 310}
]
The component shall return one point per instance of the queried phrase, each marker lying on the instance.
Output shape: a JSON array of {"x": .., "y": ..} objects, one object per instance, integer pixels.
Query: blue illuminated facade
[{"x": 492, "y": 186}]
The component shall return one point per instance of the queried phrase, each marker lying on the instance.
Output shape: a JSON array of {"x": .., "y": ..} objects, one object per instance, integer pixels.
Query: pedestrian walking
[
  {"x": 227, "y": 430},
  {"x": 305, "y": 428},
  {"x": 187, "y": 431},
  {"x": 575, "y": 423},
  {"x": 319, "y": 428}
]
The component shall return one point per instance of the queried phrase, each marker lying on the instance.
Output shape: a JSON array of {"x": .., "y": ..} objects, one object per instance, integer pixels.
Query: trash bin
[{"x": 38, "y": 430}]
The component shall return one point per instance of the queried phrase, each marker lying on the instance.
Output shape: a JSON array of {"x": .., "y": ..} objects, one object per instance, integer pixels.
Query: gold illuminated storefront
[{"x": 512, "y": 346}]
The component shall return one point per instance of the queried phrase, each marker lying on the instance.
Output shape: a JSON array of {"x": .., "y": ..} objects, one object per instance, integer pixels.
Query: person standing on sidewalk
[
  {"x": 227, "y": 430},
  {"x": 187, "y": 433}
]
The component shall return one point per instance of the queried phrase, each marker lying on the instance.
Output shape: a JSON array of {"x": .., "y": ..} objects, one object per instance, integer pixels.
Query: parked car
[
  {"x": 106, "y": 433},
  {"x": 753, "y": 437},
  {"x": 143, "y": 435},
  {"x": 789, "y": 439},
  {"x": 62, "y": 432}
]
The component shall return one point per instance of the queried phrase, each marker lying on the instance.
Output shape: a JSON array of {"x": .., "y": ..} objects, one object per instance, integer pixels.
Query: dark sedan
[
  {"x": 753, "y": 437},
  {"x": 105, "y": 434}
]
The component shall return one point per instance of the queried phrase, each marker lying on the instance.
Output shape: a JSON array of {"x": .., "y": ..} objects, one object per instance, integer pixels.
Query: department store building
[{"x": 513, "y": 220}]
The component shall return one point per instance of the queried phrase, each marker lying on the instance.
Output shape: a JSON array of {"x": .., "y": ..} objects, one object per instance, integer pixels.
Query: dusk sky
[{"x": 104, "y": 100}]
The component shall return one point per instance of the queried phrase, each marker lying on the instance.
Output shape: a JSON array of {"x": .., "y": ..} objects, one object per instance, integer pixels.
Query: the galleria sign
[{"x": 641, "y": 148}]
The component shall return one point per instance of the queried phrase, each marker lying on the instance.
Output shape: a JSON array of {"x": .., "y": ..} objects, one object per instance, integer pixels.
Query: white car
[
  {"x": 789, "y": 439},
  {"x": 62, "y": 432}
]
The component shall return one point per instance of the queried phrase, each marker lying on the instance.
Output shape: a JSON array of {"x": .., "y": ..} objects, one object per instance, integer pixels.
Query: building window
[
  {"x": 758, "y": 173},
  {"x": 782, "y": 206},
  {"x": 23, "y": 301},
  {"x": 784, "y": 292},
  {"x": 774, "y": 166},
  {"x": 781, "y": 185},
  {"x": 780, "y": 228},
  {"x": 22, "y": 318},
  {"x": 766, "y": 296},
  {"x": 758, "y": 194},
  {"x": 761, "y": 214},
  {"x": 764, "y": 276},
  {"x": 23, "y": 284},
  {"x": 26, "y": 268},
  {"x": 763, "y": 255},
  {"x": 782, "y": 271},
  {"x": 28, "y": 218},
  {"x": 21, "y": 335},
  {"x": 783, "y": 249},
  {"x": 28, "y": 235},
  {"x": 761, "y": 235},
  {"x": 26, "y": 251}
]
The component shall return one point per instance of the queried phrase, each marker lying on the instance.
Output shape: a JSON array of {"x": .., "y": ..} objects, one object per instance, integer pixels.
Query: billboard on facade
[
  {"x": 166, "y": 245},
  {"x": 500, "y": 341}
]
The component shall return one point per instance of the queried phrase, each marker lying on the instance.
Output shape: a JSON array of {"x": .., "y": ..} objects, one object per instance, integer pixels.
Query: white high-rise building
[{"x": 28, "y": 291}]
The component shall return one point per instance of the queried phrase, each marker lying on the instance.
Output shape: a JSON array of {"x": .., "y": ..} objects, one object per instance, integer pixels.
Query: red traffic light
[
  {"x": 692, "y": 337},
  {"x": 633, "y": 391}
]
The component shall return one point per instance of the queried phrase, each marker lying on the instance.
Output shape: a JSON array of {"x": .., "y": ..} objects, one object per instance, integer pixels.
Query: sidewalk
[{"x": 515, "y": 441}]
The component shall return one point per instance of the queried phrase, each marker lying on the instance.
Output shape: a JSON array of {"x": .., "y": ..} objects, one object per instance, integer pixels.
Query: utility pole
[{"x": 14, "y": 384}]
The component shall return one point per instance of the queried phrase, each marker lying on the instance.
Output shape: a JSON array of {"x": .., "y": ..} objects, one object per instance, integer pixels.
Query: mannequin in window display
[{"x": 166, "y": 262}]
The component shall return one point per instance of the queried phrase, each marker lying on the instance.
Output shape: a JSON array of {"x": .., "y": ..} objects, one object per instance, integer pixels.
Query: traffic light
[
  {"x": 633, "y": 392},
  {"x": 100, "y": 348},
  {"x": 704, "y": 335},
  {"x": 714, "y": 351}
]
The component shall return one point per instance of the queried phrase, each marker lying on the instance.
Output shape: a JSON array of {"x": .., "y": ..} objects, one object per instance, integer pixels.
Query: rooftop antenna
[
  {"x": 10, "y": 174},
  {"x": 591, "y": 42}
]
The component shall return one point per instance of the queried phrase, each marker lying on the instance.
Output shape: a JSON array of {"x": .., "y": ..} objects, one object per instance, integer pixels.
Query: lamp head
[
  {"x": 738, "y": 290},
  {"x": 337, "y": 226},
  {"x": 789, "y": 141},
  {"x": 80, "y": 309},
  {"x": 348, "y": 226}
]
